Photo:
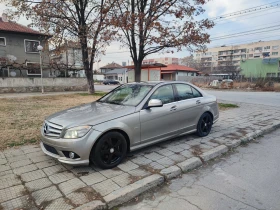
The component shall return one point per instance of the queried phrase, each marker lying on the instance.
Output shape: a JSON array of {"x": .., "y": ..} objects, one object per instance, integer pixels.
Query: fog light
[{"x": 72, "y": 155}]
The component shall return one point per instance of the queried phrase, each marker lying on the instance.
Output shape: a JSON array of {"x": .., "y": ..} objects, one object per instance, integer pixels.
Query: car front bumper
[{"x": 59, "y": 147}]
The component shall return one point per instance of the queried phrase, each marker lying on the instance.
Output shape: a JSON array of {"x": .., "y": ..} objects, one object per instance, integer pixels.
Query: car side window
[
  {"x": 165, "y": 94},
  {"x": 184, "y": 91},
  {"x": 196, "y": 93}
]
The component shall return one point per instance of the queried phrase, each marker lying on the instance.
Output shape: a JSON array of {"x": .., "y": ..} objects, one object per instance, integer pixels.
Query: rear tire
[
  {"x": 109, "y": 151},
  {"x": 204, "y": 125}
]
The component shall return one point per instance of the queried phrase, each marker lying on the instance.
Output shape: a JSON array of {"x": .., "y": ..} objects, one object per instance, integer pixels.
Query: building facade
[
  {"x": 68, "y": 55},
  {"x": 163, "y": 60},
  {"x": 118, "y": 75},
  {"x": 110, "y": 67},
  {"x": 18, "y": 50},
  {"x": 246, "y": 59},
  {"x": 177, "y": 72}
]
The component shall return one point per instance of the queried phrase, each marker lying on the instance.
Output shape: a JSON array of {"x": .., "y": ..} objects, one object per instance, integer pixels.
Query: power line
[
  {"x": 248, "y": 10},
  {"x": 249, "y": 34},
  {"x": 250, "y": 17},
  {"x": 244, "y": 32},
  {"x": 244, "y": 42},
  {"x": 247, "y": 28}
]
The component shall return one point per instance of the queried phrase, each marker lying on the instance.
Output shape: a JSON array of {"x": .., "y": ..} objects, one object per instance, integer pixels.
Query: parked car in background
[
  {"x": 128, "y": 118},
  {"x": 110, "y": 82}
]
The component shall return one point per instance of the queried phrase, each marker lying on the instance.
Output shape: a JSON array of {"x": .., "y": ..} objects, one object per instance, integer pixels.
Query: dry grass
[
  {"x": 22, "y": 118},
  {"x": 223, "y": 107}
]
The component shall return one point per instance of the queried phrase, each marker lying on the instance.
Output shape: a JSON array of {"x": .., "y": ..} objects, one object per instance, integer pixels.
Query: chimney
[{"x": 5, "y": 17}]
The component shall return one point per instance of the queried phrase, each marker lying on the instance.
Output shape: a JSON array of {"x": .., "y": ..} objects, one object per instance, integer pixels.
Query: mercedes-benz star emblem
[{"x": 46, "y": 128}]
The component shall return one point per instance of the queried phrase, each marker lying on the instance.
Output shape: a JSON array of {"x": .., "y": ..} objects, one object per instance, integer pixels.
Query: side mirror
[{"x": 155, "y": 103}]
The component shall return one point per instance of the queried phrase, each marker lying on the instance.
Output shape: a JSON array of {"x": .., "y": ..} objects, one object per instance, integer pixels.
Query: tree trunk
[
  {"x": 137, "y": 71},
  {"x": 86, "y": 64},
  {"x": 90, "y": 82}
]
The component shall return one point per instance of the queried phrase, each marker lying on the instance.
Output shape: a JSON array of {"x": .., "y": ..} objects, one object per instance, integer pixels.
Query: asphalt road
[
  {"x": 247, "y": 179},
  {"x": 264, "y": 98}
]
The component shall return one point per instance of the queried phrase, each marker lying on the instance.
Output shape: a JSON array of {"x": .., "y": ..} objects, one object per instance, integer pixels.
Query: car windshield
[{"x": 129, "y": 94}]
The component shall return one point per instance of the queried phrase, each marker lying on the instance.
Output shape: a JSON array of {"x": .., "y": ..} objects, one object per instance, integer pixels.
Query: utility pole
[
  {"x": 40, "y": 48},
  {"x": 66, "y": 46}
]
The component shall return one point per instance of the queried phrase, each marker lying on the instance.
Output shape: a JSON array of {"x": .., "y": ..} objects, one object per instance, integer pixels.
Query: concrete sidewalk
[{"x": 29, "y": 179}]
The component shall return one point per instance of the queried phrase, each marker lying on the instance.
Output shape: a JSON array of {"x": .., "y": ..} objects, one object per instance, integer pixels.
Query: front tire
[
  {"x": 109, "y": 151},
  {"x": 204, "y": 125}
]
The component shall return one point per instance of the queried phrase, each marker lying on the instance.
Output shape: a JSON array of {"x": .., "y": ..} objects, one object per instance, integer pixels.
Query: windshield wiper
[{"x": 113, "y": 102}]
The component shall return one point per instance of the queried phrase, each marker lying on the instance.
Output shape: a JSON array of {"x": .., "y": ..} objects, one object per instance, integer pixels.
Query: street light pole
[{"x": 40, "y": 48}]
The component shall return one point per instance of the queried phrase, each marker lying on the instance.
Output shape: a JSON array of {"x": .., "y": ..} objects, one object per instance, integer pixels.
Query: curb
[
  {"x": 213, "y": 153},
  {"x": 127, "y": 193},
  {"x": 131, "y": 191},
  {"x": 94, "y": 205},
  {"x": 190, "y": 164},
  {"x": 171, "y": 172}
]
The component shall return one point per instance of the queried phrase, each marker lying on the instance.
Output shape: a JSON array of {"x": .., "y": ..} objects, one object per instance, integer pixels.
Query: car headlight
[{"x": 77, "y": 132}]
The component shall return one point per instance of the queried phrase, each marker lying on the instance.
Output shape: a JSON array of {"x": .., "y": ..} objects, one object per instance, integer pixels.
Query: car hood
[{"x": 90, "y": 114}]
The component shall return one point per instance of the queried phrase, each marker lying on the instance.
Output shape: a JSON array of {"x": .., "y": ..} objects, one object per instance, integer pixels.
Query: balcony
[{"x": 206, "y": 60}]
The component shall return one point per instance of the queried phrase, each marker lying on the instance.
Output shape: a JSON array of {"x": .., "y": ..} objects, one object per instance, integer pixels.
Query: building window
[
  {"x": 250, "y": 55},
  {"x": 33, "y": 68},
  {"x": 274, "y": 53},
  {"x": 267, "y": 48},
  {"x": 276, "y": 47},
  {"x": 31, "y": 46},
  {"x": 258, "y": 49},
  {"x": 2, "y": 41}
]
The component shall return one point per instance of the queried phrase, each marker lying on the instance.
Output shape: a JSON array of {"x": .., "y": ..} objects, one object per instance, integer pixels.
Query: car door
[
  {"x": 160, "y": 123},
  {"x": 189, "y": 102}
]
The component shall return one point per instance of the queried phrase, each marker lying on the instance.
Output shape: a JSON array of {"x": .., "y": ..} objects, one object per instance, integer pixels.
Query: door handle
[
  {"x": 198, "y": 102},
  {"x": 173, "y": 108}
]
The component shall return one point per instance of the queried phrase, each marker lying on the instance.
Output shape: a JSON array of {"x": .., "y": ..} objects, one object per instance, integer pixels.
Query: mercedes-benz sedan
[{"x": 129, "y": 117}]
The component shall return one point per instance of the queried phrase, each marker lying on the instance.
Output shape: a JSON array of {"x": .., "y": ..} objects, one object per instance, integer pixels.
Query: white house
[{"x": 117, "y": 74}]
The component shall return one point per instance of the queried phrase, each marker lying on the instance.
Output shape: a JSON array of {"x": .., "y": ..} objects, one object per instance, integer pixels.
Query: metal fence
[{"x": 198, "y": 79}]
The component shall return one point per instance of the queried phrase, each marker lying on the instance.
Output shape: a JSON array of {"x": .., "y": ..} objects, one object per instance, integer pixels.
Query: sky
[{"x": 214, "y": 8}]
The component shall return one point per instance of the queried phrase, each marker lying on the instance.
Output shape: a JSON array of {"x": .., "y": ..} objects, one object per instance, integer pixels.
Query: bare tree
[
  {"x": 83, "y": 20},
  {"x": 193, "y": 63},
  {"x": 151, "y": 26}
]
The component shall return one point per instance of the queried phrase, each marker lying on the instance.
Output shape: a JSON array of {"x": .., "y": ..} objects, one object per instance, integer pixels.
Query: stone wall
[{"x": 23, "y": 85}]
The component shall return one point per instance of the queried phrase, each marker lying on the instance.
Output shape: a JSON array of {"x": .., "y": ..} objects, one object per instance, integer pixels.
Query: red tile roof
[
  {"x": 174, "y": 67},
  {"x": 15, "y": 27},
  {"x": 112, "y": 66}
]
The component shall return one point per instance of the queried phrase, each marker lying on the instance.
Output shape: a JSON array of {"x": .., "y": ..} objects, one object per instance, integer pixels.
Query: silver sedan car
[{"x": 129, "y": 117}]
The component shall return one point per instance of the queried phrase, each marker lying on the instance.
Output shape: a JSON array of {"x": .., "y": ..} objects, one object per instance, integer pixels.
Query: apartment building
[
  {"x": 258, "y": 59},
  {"x": 163, "y": 60}
]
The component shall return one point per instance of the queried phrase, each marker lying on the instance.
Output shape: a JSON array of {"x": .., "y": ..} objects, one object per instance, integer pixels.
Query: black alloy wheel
[
  {"x": 204, "y": 125},
  {"x": 109, "y": 151}
]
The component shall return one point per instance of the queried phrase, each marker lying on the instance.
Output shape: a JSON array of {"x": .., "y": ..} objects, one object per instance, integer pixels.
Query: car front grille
[
  {"x": 50, "y": 149},
  {"x": 52, "y": 129}
]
